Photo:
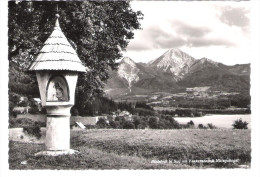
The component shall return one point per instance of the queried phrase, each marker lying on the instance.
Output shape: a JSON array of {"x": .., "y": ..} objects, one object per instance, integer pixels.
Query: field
[{"x": 138, "y": 149}]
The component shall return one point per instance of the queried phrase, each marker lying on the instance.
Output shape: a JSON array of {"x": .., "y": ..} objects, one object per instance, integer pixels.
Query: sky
[{"x": 216, "y": 30}]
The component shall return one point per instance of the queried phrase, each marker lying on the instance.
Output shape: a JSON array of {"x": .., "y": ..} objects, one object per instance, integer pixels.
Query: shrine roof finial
[{"x": 57, "y": 54}]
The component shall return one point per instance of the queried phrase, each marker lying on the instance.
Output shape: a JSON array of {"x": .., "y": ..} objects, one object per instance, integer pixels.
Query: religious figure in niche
[
  {"x": 57, "y": 90},
  {"x": 58, "y": 95}
]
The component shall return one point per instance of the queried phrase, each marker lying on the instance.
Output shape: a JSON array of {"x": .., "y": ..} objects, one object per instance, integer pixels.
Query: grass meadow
[{"x": 141, "y": 149}]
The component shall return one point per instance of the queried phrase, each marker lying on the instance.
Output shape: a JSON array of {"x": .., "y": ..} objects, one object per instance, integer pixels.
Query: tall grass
[{"x": 136, "y": 149}]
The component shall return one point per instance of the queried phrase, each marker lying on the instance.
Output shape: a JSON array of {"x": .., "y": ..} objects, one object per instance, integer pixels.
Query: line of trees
[{"x": 151, "y": 122}]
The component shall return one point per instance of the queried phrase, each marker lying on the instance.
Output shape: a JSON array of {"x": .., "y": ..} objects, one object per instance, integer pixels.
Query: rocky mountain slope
[{"x": 173, "y": 61}]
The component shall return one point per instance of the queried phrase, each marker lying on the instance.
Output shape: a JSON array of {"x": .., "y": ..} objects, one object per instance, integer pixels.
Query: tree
[
  {"x": 99, "y": 31},
  {"x": 102, "y": 123},
  {"x": 190, "y": 124},
  {"x": 164, "y": 124},
  {"x": 114, "y": 124},
  {"x": 174, "y": 124},
  {"x": 211, "y": 126},
  {"x": 74, "y": 111},
  {"x": 153, "y": 122},
  {"x": 240, "y": 124},
  {"x": 137, "y": 121},
  {"x": 201, "y": 126},
  {"x": 128, "y": 125}
]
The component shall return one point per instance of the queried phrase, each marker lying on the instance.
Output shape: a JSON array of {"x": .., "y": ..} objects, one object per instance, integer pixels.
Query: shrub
[
  {"x": 239, "y": 124},
  {"x": 142, "y": 125},
  {"x": 114, "y": 124},
  {"x": 33, "y": 110},
  {"x": 201, "y": 126},
  {"x": 120, "y": 119},
  {"x": 19, "y": 123},
  {"x": 153, "y": 122},
  {"x": 190, "y": 124},
  {"x": 101, "y": 123},
  {"x": 74, "y": 111},
  {"x": 14, "y": 114},
  {"x": 33, "y": 130},
  {"x": 164, "y": 124},
  {"x": 23, "y": 104},
  {"x": 198, "y": 114},
  {"x": 137, "y": 121},
  {"x": 174, "y": 124},
  {"x": 211, "y": 126},
  {"x": 128, "y": 125},
  {"x": 144, "y": 112},
  {"x": 90, "y": 126},
  {"x": 43, "y": 111}
]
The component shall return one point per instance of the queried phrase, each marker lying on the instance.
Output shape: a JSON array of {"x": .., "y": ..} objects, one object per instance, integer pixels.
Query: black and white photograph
[{"x": 143, "y": 86}]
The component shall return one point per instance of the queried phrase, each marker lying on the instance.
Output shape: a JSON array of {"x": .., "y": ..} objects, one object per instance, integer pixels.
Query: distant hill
[{"x": 174, "y": 70}]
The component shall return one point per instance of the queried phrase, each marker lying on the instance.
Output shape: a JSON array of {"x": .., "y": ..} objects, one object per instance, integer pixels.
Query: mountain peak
[
  {"x": 128, "y": 61},
  {"x": 173, "y": 60},
  {"x": 174, "y": 50}
]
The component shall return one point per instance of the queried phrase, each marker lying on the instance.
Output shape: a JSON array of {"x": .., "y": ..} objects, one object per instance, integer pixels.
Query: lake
[{"x": 220, "y": 120}]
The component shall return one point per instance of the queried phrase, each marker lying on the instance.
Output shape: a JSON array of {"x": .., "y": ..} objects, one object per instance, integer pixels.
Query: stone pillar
[
  {"x": 57, "y": 140},
  {"x": 57, "y": 127},
  {"x": 57, "y": 133}
]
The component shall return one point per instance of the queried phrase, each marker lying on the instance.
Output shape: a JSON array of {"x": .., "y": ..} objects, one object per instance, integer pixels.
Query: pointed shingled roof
[{"x": 57, "y": 54}]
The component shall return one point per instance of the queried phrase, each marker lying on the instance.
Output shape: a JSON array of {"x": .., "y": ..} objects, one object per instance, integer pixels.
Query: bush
[
  {"x": 23, "y": 104},
  {"x": 90, "y": 126},
  {"x": 101, "y": 123},
  {"x": 43, "y": 111},
  {"x": 174, "y": 124},
  {"x": 142, "y": 125},
  {"x": 14, "y": 114},
  {"x": 164, "y": 124},
  {"x": 201, "y": 126},
  {"x": 33, "y": 130},
  {"x": 137, "y": 121},
  {"x": 211, "y": 126},
  {"x": 198, "y": 114},
  {"x": 120, "y": 119},
  {"x": 153, "y": 122},
  {"x": 190, "y": 124},
  {"x": 128, "y": 125},
  {"x": 114, "y": 124},
  {"x": 33, "y": 110},
  {"x": 144, "y": 112},
  {"x": 19, "y": 123},
  {"x": 239, "y": 124},
  {"x": 74, "y": 111}
]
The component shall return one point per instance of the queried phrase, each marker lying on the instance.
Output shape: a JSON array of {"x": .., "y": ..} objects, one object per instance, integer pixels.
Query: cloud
[
  {"x": 170, "y": 42},
  {"x": 181, "y": 34},
  {"x": 154, "y": 37},
  {"x": 234, "y": 16},
  {"x": 189, "y": 30},
  {"x": 207, "y": 42},
  {"x": 138, "y": 46}
]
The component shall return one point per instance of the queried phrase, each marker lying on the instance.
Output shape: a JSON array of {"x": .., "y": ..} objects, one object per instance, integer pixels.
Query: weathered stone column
[{"x": 58, "y": 127}]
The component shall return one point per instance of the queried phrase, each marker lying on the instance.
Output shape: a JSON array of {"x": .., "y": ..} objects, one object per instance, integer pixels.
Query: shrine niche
[{"x": 57, "y": 89}]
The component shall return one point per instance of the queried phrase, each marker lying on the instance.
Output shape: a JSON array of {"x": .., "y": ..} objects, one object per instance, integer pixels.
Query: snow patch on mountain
[{"x": 129, "y": 71}]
